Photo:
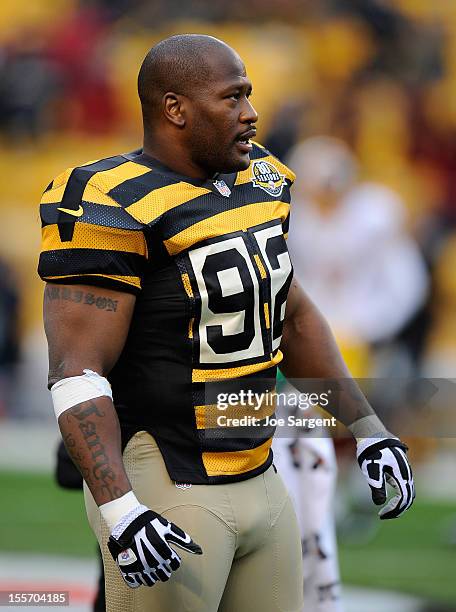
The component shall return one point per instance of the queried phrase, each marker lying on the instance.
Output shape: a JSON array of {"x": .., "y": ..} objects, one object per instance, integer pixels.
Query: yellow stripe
[
  {"x": 62, "y": 179},
  {"x": 87, "y": 236},
  {"x": 128, "y": 280},
  {"x": 53, "y": 195},
  {"x": 239, "y": 462},
  {"x": 98, "y": 185},
  {"x": 91, "y": 194},
  {"x": 246, "y": 175},
  {"x": 187, "y": 285},
  {"x": 224, "y": 373},
  {"x": 96, "y": 196},
  {"x": 243, "y": 177},
  {"x": 260, "y": 266},
  {"x": 108, "y": 179},
  {"x": 225, "y": 222},
  {"x": 266, "y": 315},
  {"x": 190, "y": 328},
  {"x": 206, "y": 416},
  {"x": 161, "y": 200}
]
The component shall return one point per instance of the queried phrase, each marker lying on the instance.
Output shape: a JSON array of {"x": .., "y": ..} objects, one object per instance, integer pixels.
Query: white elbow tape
[
  {"x": 71, "y": 391},
  {"x": 114, "y": 511}
]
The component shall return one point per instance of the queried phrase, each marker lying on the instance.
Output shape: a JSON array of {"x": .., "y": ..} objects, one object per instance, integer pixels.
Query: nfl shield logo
[
  {"x": 223, "y": 188},
  {"x": 126, "y": 557}
]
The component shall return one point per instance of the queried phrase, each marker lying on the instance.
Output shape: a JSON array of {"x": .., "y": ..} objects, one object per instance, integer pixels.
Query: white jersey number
[{"x": 229, "y": 327}]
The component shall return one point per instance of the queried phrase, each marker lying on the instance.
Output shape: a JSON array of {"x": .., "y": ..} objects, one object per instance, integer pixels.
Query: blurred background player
[
  {"x": 350, "y": 251},
  {"x": 307, "y": 463}
]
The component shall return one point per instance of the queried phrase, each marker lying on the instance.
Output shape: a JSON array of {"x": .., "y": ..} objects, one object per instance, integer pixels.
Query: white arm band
[
  {"x": 74, "y": 390},
  {"x": 368, "y": 427},
  {"x": 126, "y": 507}
]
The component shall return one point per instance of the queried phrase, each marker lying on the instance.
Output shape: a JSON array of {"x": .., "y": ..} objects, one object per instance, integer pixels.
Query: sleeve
[{"x": 88, "y": 238}]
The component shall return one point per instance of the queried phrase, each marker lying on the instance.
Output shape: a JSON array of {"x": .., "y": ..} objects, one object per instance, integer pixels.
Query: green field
[
  {"x": 412, "y": 554},
  {"x": 36, "y": 515}
]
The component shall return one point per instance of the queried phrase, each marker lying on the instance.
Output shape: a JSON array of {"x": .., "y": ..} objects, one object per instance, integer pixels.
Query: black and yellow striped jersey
[{"x": 209, "y": 264}]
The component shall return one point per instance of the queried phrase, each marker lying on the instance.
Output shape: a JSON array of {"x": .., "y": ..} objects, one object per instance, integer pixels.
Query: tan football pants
[{"x": 248, "y": 531}]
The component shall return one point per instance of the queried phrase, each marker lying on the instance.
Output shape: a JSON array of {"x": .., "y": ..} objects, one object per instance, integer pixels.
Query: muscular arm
[
  {"x": 86, "y": 328},
  {"x": 310, "y": 351}
]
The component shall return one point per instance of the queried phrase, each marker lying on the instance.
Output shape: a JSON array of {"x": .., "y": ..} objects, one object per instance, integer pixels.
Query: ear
[{"x": 173, "y": 108}]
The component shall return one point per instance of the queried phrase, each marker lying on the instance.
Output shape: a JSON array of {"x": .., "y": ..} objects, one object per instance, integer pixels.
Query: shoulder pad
[{"x": 260, "y": 152}]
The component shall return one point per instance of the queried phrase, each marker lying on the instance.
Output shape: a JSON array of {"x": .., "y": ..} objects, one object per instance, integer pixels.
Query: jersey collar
[{"x": 147, "y": 160}]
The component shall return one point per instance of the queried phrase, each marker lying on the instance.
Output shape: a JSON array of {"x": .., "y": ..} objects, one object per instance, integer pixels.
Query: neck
[{"x": 176, "y": 157}]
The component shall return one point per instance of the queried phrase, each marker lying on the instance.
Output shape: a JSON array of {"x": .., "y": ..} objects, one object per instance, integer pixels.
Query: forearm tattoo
[
  {"x": 53, "y": 293},
  {"x": 100, "y": 474}
]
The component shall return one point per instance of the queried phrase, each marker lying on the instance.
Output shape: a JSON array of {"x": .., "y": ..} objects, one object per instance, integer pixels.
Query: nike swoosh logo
[{"x": 74, "y": 213}]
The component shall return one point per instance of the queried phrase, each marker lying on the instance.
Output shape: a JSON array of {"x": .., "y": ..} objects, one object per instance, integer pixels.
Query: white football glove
[
  {"x": 384, "y": 460},
  {"x": 139, "y": 545}
]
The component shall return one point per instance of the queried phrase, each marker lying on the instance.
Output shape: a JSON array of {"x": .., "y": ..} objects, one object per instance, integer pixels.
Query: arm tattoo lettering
[
  {"x": 101, "y": 302},
  {"x": 100, "y": 473}
]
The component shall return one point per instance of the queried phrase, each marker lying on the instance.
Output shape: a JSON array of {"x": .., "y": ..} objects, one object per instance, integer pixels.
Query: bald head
[
  {"x": 179, "y": 64},
  {"x": 197, "y": 115}
]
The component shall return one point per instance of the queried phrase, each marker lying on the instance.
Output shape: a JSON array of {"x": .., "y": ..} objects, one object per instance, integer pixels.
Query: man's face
[{"x": 220, "y": 118}]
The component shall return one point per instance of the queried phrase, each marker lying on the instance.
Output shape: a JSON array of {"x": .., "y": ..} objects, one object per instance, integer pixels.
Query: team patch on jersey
[
  {"x": 222, "y": 188},
  {"x": 266, "y": 176}
]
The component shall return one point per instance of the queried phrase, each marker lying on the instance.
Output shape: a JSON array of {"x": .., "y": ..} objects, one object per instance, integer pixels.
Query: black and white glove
[
  {"x": 384, "y": 460},
  {"x": 140, "y": 545}
]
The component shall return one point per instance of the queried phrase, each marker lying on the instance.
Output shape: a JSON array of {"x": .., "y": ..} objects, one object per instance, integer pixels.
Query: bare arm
[
  {"x": 310, "y": 351},
  {"x": 86, "y": 328}
]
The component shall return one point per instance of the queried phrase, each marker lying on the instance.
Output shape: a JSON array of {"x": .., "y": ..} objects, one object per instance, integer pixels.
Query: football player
[
  {"x": 169, "y": 286},
  {"x": 307, "y": 464}
]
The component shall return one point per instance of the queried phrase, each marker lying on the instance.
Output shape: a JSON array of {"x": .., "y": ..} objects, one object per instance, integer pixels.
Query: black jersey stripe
[
  {"x": 286, "y": 225},
  {"x": 231, "y": 439},
  {"x": 74, "y": 191},
  {"x": 203, "y": 207},
  {"x": 258, "y": 153},
  {"x": 134, "y": 189},
  {"x": 97, "y": 214},
  {"x": 90, "y": 261},
  {"x": 234, "y": 440},
  {"x": 108, "y": 163}
]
